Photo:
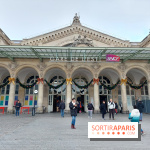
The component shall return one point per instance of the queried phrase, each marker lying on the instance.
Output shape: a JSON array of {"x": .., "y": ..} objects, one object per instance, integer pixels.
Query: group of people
[{"x": 135, "y": 115}]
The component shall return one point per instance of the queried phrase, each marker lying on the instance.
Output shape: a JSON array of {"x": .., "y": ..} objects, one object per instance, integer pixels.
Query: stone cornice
[{"x": 5, "y": 38}]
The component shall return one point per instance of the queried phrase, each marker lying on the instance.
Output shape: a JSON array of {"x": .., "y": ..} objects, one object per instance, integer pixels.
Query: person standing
[
  {"x": 90, "y": 109},
  {"x": 111, "y": 106},
  {"x": 103, "y": 109},
  {"x": 62, "y": 107},
  {"x": 73, "y": 110},
  {"x": 18, "y": 105},
  {"x": 80, "y": 107},
  {"x": 140, "y": 107},
  {"x": 116, "y": 107}
]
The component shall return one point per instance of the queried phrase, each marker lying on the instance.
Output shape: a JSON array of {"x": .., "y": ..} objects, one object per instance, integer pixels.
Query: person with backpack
[
  {"x": 134, "y": 116},
  {"x": 103, "y": 109},
  {"x": 116, "y": 107},
  {"x": 111, "y": 106},
  {"x": 90, "y": 109}
]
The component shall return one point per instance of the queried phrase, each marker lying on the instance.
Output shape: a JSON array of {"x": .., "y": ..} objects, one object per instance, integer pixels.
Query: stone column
[
  {"x": 11, "y": 98},
  {"x": 68, "y": 97},
  {"x": 96, "y": 98},
  {"x": 40, "y": 98},
  {"x": 124, "y": 98},
  {"x": 148, "y": 84}
]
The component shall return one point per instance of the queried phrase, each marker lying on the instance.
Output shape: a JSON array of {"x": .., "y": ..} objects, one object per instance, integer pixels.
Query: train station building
[{"x": 74, "y": 61}]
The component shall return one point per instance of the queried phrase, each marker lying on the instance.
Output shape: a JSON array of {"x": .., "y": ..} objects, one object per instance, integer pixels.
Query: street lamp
[{"x": 33, "y": 108}]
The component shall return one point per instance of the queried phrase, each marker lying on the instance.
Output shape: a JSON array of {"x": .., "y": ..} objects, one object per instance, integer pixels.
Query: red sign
[{"x": 112, "y": 58}]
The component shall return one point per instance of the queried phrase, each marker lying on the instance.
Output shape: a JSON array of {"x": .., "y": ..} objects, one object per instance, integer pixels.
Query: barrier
[{"x": 2, "y": 109}]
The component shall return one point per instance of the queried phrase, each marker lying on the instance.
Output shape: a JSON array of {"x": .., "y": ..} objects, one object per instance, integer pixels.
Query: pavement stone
[{"x": 51, "y": 132}]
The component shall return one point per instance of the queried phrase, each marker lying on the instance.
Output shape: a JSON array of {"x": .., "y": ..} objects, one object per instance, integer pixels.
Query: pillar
[
  {"x": 68, "y": 97},
  {"x": 148, "y": 84},
  {"x": 11, "y": 98},
  {"x": 124, "y": 98},
  {"x": 40, "y": 98},
  {"x": 96, "y": 98}
]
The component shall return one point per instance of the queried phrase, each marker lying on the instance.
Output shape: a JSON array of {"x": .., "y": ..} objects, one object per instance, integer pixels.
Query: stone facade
[{"x": 80, "y": 36}]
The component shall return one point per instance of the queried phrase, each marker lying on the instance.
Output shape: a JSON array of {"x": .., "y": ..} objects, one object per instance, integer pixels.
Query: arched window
[
  {"x": 57, "y": 80},
  {"x": 102, "y": 90},
  {"x": 4, "y": 93},
  {"x": 30, "y": 97},
  {"x": 80, "y": 81},
  {"x": 144, "y": 90}
]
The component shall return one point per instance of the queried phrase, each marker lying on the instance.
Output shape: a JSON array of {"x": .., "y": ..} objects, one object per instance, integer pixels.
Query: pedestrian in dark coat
[
  {"x": 116, "y": 107},
  {"x": 103, "y": 109},
  {"x": 62, "y": 107},
  {"x": 73, "y": 111},
  {"x": 140, "y": 107},
  {"x": 18, "y": 105}
]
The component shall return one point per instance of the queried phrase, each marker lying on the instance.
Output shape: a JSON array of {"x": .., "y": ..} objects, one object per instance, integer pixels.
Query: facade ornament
[
  {"x": 41, "y": 66},
  {"x": 83, "y": 40},
  {"x": 69, "y": 80},
  {"x": 76, "y": 20},
  {"x": 69, "y": 66},
  {"x": 122, "y": 67},
  {"x": 96, "y": 81},
  {"x": 11, "y": 80},
  {"x": 40, "y": 80},
  {"x": 95, "y": 66},
  {"x": 123, "y": 81},
  {"x": 12, "y": 65}
]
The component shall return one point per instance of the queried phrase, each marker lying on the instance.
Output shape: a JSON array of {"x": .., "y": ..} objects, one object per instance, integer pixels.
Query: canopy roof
[{"x": 41, "y": 52}]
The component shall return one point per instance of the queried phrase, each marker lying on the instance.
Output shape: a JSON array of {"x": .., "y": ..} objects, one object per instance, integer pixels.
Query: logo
[
  {"x": 112, "y": 58},
  {"x": 113, "y": 130}
]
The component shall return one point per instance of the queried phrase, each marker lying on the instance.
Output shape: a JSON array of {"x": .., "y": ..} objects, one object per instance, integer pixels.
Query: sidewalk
[{"x": 51, "y": 132}]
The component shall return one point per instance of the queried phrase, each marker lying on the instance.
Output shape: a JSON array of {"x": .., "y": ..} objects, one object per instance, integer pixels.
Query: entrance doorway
[
  {"x": 56, "y": 102},
  {"x": 80, "y": 98},
  {"x": 103, "y": 98}
]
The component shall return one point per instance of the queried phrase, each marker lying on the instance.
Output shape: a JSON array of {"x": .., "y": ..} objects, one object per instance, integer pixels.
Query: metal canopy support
[
  {"x": 6, "y": 55},
  {"x": 131, "y": 56},
  {"x": 36, "y": 54},
  {"x": 101, "y": 53}
]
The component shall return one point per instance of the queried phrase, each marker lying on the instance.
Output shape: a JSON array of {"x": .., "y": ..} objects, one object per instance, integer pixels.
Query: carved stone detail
[
  {"x": 13, "y": 65},
  {"x": 41, "y": 66},
  {"x": 69, "y": 66},
  {"x": 122, "y": 67}
]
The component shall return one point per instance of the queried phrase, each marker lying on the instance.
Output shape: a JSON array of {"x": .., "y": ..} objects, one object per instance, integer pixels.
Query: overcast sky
[{"x": 125, "y": 19}]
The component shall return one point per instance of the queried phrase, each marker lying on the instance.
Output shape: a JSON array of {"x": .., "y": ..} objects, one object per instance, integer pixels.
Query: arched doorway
[
  {"x": 82, "y": 77},
  {"x": 27, "y": 76},
  {"x": 4, "y": 91},
  {"x": 55, "y": 77}
]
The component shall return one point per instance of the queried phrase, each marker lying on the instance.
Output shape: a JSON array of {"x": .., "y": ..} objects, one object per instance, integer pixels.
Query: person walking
[
  {"x": 57, "y": 106},
  {"x": 134, "y": 116},
  {"x": 62, "y": 107},
  {"x": 116, "y": 107},
  {"x": 80, "y": 105},
  {"x": 102, "y": 108},
  {"x": 18, "y": 105},
  {"x": 73, "y": 110},
  {"x": 111, "y": 106},
  {"x": 140, "y": 107},
  {"x": 90, "y": 109}
]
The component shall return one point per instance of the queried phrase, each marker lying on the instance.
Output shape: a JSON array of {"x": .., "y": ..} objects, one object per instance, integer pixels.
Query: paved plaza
[{"x": 51, "y": 132}]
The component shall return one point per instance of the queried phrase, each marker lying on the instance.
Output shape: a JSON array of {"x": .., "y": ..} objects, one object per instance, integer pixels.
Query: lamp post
[{"x": 33, "y": 108}]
